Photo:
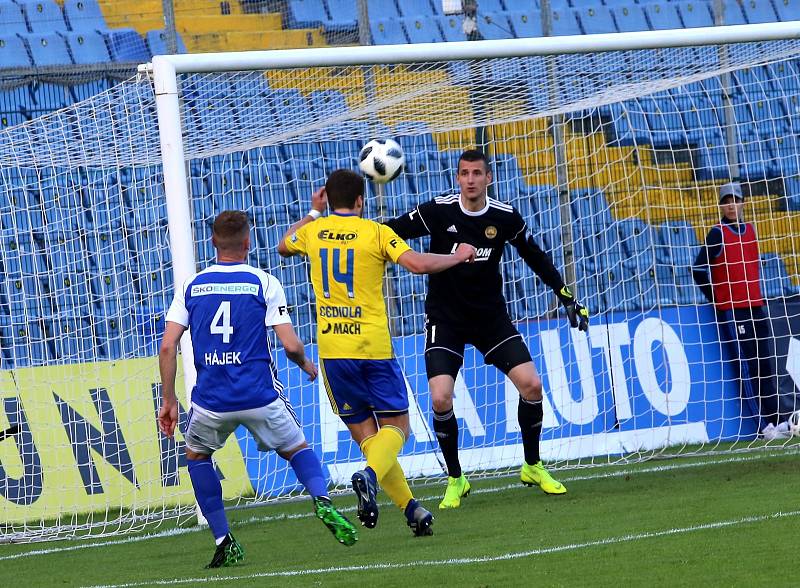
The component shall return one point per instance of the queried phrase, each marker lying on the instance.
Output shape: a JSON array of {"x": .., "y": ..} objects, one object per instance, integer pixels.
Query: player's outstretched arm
[
  {"x": 432, "y": 263},
  {"x": 294, "y": 348},
  {"x": 319, "y": 202},
  {"x": 168, "y": 366}
]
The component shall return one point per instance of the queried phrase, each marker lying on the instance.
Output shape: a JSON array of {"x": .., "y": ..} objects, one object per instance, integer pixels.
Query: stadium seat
[
  {"x": 304, "y": 14},
  {"x": 10, "y": 119},
  {"x": 48, "y": 49},
  {"x": 526, "y": 24},
  {"x": 664, "y": 121},
  {"x": 73, "y": 338},
  {"x": 415, "y": 7},
  {"x": 786, "y": 9},
  {"x": 44, "y": 16},
  {"x": 630, "y": 18},
  {"x": 157, "y": 42},
  {"x": 13, "y": 18},
  {"x": 421, "y": 30},
  {"x": 87, "y": 47},
  {"x": 565, "y": 22},
  {"x": 451, "y": 28},
  {"x": 343, "y": 13},
  {"x": 387, "y": 31},
  {"x": 327, "y": 103},
  {"x": 695, "y": 13},
  {"x": 12, "y": 52},
  {"x": 596, "y": 19},
  {"x": 733, "y": 14},
  {"x": 115, "y": 335},
  {"x": 495, "y": 26},
  {"x": 84, "y": 15},
  {"x": 678, "y": 244},
  {"x": 382, "y": 9},
  {"x": 291, "y": 106},
  {"x": 760, "y": 11},
  {"x": 663, "y": 15},
  {"x": 126, "y": 45}
]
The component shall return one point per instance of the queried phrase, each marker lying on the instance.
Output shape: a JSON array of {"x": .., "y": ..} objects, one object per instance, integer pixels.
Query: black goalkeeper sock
[
  {"x": 530, "y": 415},
  {"x": 445, "y": 426}
]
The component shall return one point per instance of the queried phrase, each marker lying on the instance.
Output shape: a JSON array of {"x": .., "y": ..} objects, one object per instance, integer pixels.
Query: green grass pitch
[{"x": 713, "y": 520}]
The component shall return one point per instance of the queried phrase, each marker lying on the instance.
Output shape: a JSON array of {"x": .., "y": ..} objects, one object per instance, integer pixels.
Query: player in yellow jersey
[{"x": 363, "y": 379}]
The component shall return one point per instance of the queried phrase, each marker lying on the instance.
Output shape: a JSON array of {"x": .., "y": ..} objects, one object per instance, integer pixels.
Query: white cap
[{"x": 730, "y": 189}]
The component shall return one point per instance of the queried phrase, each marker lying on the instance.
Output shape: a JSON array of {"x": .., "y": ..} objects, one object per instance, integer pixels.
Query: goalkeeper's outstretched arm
[{"x": 541, "y": 264}]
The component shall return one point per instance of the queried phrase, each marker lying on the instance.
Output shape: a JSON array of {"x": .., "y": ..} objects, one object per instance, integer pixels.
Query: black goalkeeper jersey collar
[{"x": 477, "y": 212}]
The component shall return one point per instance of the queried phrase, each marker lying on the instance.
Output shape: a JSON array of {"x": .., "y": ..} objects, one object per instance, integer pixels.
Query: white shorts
[{"x": 273, "y": 426}]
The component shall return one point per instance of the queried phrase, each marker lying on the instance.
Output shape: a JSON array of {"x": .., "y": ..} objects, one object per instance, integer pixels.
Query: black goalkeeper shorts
[{"x": 499, "y": 341}]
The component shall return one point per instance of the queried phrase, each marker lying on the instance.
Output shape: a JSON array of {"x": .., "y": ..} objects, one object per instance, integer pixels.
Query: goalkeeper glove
[{"x": 576, "y": 312}]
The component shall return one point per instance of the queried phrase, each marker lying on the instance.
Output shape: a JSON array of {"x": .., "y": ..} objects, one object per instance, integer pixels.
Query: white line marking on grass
[
  {"x": 468, "y": 560},
  {"x": 492, "y": 490}
]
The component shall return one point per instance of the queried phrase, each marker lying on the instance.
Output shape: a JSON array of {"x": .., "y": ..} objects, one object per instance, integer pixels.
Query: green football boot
[
  {"x": 228, "y": 552},
  {"x": 337, "y": 523}
]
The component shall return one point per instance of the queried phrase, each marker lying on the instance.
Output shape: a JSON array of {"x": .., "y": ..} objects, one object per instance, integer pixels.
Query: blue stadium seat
[
  {"x": 663, "y": 15},
  {"x": 775, "y": 280},
  {"x": 416, "y": 8},
  {"x": 451, "y": 28},
  {"x": 306, "y": 13},
  {"x": 11, "y": 119},
  {"x": 664, "y": 120},
  {"x": 116, "y": 335},
  {"x": 48, "y": 49},
  {"x": 639, "y": 241},
  {"x": 344, "y": 14},
  {"x": 630, "y": 18},
  {"x": 157, "y": 42},
  {"x": 760, "y": 11},
  {"x": 695, "y": 13},
  {"x": 526, "y": 24},
  {"x": 421, "y": 30},
  {"x": 509, "y": 183},
  {"x": 87, "y": 47},
  {"x": 12, "y": 17},
  {"x": 327, "y": 103},
  {"x": 387, "y": 31},
  {"x": 291, "y": 106},
  {"x": 786, "y": 9},
  {"x": 522, "y": 5},
  {"x": 44, "y": 16},
  {"x": 127, "y": 45},
  {"x": 733, "y": 14},
  {"x": 73, "y": 338},
  {"x": 488, "y": 6},
  {"x": 495, "y": 26},
  {"x": 382, "y": 9},
  {"x": 590, "y": 206},
  {"x": 12, "y": 52},
  {"x": 678, "y": 244},
  {"x": 429, "y": 175},
  {"x": 84, "y": 15},
  {"x": 565, "y": 22},
  {"x": 596, "y": 20}
]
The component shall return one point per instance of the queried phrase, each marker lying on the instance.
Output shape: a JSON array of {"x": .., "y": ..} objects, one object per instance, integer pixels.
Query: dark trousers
[{"x": 748, "y": 333}]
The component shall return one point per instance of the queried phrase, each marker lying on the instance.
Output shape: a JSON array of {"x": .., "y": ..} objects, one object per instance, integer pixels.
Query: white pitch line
[
  {"x": 468, "y": 560},
  {"x": 492, "y": 490}
]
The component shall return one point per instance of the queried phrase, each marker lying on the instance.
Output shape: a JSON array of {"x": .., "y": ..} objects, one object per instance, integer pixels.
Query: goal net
[{"x": 614, "y": 159}]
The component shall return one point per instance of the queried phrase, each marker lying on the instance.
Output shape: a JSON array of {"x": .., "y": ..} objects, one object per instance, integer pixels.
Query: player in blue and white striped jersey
[{"x": 228, "y": 308}]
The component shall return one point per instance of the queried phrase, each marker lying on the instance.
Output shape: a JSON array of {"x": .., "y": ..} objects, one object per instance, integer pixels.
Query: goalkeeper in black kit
[{"x": 465, "y": 304}]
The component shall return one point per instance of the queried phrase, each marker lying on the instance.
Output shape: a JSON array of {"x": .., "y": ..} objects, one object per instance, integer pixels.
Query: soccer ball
[
  {"x": 381, "y": 160},
  {"x": 794, "y": 423}
]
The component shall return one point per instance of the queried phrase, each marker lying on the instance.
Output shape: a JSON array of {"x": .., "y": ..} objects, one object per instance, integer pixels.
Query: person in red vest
[{"x": 727, "y": 271}]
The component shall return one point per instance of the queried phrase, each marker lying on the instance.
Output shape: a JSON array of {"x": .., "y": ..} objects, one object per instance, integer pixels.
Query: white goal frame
[{"x": 166, "y": 68}]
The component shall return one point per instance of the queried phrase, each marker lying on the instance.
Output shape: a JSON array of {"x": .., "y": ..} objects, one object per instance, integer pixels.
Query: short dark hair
[
  {"x": 231, "y": 228},
  {"x": 343, "y": 188},
  {"x": 474, "y": 155}
]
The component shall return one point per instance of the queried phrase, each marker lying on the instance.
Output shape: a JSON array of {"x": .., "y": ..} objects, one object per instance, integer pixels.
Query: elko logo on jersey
[
  {"x": 481, "y": 253},
  {"x": 328, "y": 235}
]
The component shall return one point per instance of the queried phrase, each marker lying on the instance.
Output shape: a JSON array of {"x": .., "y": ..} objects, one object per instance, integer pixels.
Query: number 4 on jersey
[{"x": 221, "y": 323}]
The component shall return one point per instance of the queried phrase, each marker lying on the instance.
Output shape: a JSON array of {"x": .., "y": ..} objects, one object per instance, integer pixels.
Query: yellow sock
[
  {"x": 366, "y": 443},
  {"x": 396, "y": 487},
  {"x": 382, "y": 449}
]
